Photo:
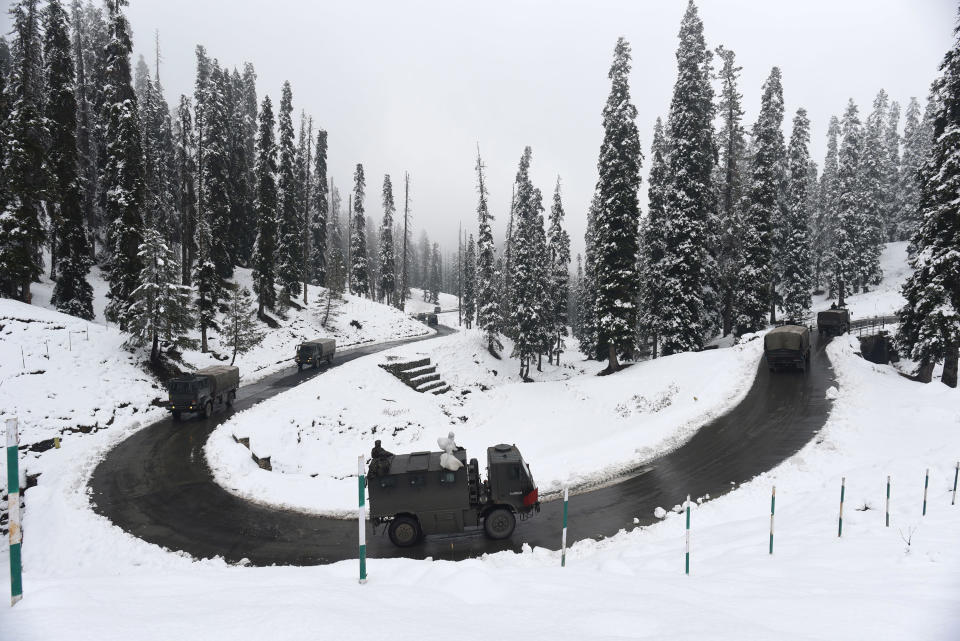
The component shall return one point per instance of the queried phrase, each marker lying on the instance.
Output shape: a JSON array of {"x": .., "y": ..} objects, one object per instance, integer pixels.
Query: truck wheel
[
  {"x": 299, "y": 367},
  {"x": 208, "y": 409},
  {"x": 404, "y": 531},
  {"x": 231, "y": 397},
  {"x": 330, "y": 360},
  {"x": 499, "y": 524}
]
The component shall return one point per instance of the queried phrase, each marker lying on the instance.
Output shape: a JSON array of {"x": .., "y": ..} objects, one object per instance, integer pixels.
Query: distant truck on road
[
  {"x": 833, "y": 322},
  {"x": 787, "y": 346},
  {"x": 203, "y": 389},
  {"x": 414, "y": 495},
  {"x": 315, "y": 351}
]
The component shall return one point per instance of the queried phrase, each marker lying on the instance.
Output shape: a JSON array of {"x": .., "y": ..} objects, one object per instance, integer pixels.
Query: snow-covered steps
[{"x": 419, "y": 375}]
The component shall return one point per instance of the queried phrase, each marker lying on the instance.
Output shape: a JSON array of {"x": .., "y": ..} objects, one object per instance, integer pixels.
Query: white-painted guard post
[
  {"x": 843, "y": 487},
  {"x": 888, "y": 500},
  {"x": 926, "y": 484},
  {"x": 362, "y": 517},
  {"x": 563, "y": 538},
  {"x": 13, "y": 509},
  {"x": 687, "y": 571},
  {"x": 773, "y": 503}
]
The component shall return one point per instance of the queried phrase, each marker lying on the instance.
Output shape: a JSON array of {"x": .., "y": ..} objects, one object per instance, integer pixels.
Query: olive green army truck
[
  {"x": 204, "y": 389},
  {"x": 787, "y": 346},
  {"x": 833, "y": 322},
  {"x": 414, "y": 495},
  {"x": 314, "y": 352}
]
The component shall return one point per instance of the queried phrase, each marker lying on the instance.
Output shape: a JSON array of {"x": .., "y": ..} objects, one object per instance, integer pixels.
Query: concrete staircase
[{"x": 419, "y": 375}]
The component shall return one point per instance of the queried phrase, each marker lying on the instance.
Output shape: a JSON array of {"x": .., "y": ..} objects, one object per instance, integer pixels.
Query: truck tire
[
  {"x": 499, "y": 524},
  {"x": 231, "y": 397},
  {"x": 330, "y": 360},
  {"x": 208, "y": 409},
  {"x": 404, "y": 531},
  {"x": 299, "y": 367}
]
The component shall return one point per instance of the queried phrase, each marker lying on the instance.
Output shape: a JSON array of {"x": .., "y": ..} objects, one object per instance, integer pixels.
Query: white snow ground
[
  {"x": 85, "y": 579},
  {"x": 314, "y": 433},
  {"x": 884, "y": 299}
]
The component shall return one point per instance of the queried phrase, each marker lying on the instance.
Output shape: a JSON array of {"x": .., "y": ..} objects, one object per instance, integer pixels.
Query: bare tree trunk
[
  {"x": 155, "y": 349},
  {"x": 950, "y": 357},
  {"x": 925, "y": 372},
  {"x": 614, "y": 365}
]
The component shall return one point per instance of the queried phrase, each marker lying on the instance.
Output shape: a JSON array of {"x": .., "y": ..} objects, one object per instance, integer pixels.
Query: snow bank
[
  {"x": 573, "y": 426},
  {"x": 884, "y": 299}
]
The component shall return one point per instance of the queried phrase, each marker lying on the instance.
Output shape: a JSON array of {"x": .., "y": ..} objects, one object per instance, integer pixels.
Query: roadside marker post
[
  {"x": 888, "y": 500},
  {"x": 926, "y": 484},
  {"x": 361, "y": 516},
  {"x": 956, "y": 473},
  {"x": 13, "y": 509},
  {"x": 688, "y": 536},
  {"x": 843, "y": 486},
  {"x": 773, "y": 500},
  {"x": 563, "y": 539}
]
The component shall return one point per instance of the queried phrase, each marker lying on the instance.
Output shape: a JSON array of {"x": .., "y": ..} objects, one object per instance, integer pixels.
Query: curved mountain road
[{"x": 156, "y": 484}]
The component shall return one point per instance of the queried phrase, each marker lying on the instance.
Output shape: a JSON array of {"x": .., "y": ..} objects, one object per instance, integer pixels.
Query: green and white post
[
  {"x": 362, "y": 517},
  {"x": 888, "y": 500},
  {"x": 563, "y": 538},
  {"x": 843, "y": 487},
  {"x": 688, "y": 536},
  {"x": 926, "y": 484},
  {"x": 13, "y": 509},
  {"x": 773, "y": 502},
  {"x": 956, "y": 473}
]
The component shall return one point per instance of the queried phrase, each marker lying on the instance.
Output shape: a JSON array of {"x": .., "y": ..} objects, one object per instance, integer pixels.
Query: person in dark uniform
[{"x": 380, "y": 463}]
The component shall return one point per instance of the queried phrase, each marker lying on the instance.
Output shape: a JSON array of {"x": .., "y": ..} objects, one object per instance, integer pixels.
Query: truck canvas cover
[
  {"x": 221, "y": 376},
  {"x": 791, "y": 337},
  {"x": 833, "y": 317},
  {"x": 326, "y": 345}
]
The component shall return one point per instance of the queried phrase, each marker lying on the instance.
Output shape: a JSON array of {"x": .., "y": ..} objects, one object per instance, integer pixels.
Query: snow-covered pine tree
[
  {"x": 587, "y": 293},
  {"x": 690, "y": 197},
  {"x": 248, "y": 100},
  {"x": 242, "y": 215},
  {"x": 842, "y": 261},
  {"x": 388, "y": 283},
  {"x": 242, "y": 332},
  {"x": 825, "y": 222},
  {"x": 763, "y": 211},
  {"x": 26, "y": 176},
  {"x": 215, "y": 169},
  {"x": 320, "y": 210},
  {"x": 730, "y": 174},
  {"x": 86, "y": 151},
  {"x": 207, "y": 282},
  {"x": 488, "y": 303},
  {"x": 265, "y": 247},
  {"x": 72, "y": 294},
  {"x": 159, "y": 161},
  {"x": 470, "y": 283},
  {"x": 558, "y": 274},
  {"x": 893, "y": 202},
  {"x": 122, "y": 182},
  {"x": 6, "y": 64},
  {"x": 185, "y": 176},
  {"x": 573, "y": 304},
  {"x": 796, "y": 279},
  {"x": 869, "y": 241},
  {"x": 302, "y": 161},
  {"x": 359, "y": 275},
  {"x": 526, "y": 305},
  {"x": 160, "y": 305},
  {"x": 289, "y": 255},
  {"x": 617, "y": 219},
  {"x": 930, "y": 320},
  {"x": 654, "y": 317},
  {"x": 914, "y": 148}
]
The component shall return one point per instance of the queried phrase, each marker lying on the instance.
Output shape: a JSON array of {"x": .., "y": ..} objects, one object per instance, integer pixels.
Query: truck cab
[
  {"x": 833, "y": 322},
  {"x": 314, "y": 352},
  {"x": 188, "y": 394},
  {"x": 200, "y": 391},
  {"x": 413, "y": 495}
]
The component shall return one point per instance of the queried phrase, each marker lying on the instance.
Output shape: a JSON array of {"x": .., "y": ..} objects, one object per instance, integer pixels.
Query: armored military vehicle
[
  {"x": 414, "y": 495},
  {"x": 203, "y": 389},
  {"x": 316, "y": 351},
  {"x": 833, "y": 322},
  {"x": 787, "y": 346}
]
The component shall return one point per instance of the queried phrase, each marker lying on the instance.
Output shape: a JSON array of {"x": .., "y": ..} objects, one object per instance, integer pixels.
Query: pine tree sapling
[{"x": 240, "y": 324}]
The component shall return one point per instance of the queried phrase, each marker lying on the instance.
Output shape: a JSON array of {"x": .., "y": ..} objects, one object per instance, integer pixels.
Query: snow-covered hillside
[
  {"x": 352, "y": 321},
  {"x": 314, "y": 433},
  {"x": 415, "y": 304},
  {"x": 884, "y": 299}
]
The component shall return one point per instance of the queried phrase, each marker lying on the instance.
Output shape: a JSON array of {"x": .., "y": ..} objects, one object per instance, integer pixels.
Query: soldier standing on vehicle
[{"x": 381, "y": 459}]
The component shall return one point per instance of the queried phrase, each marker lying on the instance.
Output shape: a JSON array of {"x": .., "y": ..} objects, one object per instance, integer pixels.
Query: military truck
[
  {"x": 413, "y": 495},
  {"x": 833, "y": 322},
  {"x": 787, "y": 346},
  {"x": 203, "y": 389},
  {"x": 315, "y": 351},
  {"x": 427, "y": 318}
]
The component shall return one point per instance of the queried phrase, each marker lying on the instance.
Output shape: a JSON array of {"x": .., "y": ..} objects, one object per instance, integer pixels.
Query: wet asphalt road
[{"x": 157, "y": 486}]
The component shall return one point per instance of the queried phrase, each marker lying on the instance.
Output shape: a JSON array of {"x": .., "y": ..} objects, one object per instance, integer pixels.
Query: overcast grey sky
[{"x": 415, "y": 85}]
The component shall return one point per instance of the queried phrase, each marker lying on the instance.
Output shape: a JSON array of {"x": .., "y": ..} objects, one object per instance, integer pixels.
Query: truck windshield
[
  {"x": 183, "y": 387},
  {"x": 306, "y": 350}
]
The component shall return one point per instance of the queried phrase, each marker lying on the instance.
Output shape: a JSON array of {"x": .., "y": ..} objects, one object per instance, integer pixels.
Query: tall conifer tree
[
  {"x": 796, "y": 277},
  {"x": 558, "y": 251},
  {"x": 488, "y": 307},
  {"x": 843, "y": 256},
  {"x": 265, "y": 247},
  {"x": 388, "y": 283},
  {"x": 320, "y": 212},
  {"x": 289, "y": 228},
  {"x": 359, "y": 274}
]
